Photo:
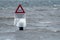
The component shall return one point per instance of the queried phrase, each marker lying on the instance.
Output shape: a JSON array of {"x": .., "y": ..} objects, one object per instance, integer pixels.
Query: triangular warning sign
[{"x": 20, "y": 10}]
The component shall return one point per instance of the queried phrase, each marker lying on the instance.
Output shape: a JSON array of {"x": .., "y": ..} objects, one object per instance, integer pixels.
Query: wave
[
  {"x": 52, "y": 29},
  {"x": 42, "y": 29},
  {"x": 6, "y": 17}
]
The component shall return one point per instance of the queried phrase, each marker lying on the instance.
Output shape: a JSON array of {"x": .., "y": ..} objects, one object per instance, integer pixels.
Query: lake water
[{"x": 40, "y": 14}]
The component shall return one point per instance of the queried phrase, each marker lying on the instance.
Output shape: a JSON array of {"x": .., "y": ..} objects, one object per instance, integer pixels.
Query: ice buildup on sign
[{"x": 20, "y": 17}]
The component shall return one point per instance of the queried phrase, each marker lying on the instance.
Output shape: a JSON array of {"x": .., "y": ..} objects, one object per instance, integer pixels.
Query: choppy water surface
[{"x": 43, "y": 20}]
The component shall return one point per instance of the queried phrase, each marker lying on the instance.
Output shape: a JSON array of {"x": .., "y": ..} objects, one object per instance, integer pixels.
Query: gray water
[{"x": 43, "y": 20}]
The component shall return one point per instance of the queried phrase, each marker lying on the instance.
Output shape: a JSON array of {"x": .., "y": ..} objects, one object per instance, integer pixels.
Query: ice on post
[{"x": 20, "y": 18}]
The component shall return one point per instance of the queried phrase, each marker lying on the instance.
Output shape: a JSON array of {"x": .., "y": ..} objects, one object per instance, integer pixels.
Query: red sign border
[{"x": 21, "y": 8}]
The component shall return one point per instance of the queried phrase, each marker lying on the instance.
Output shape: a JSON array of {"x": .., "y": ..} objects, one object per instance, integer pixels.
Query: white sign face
[{"x": 19, "y": 10}]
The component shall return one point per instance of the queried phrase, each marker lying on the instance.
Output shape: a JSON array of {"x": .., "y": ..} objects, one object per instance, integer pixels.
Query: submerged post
[{"x": 20, "y": 18}]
